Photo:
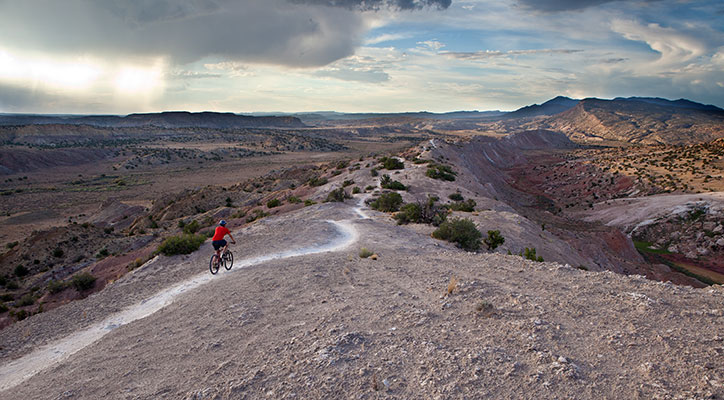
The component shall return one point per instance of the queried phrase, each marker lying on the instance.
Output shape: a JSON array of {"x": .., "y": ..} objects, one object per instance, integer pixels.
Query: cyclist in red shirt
[{"x": 218, "y": 240}]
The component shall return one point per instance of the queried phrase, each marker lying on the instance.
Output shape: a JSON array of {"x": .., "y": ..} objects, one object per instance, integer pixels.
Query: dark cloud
[
  {"x": 561, "y": 5},
  {"x": 368, "y": 5},
  {"x": 282, "y": 32}
]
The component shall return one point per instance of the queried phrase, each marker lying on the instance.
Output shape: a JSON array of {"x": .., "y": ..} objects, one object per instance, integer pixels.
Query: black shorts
[{"x": 218, "y": 244}]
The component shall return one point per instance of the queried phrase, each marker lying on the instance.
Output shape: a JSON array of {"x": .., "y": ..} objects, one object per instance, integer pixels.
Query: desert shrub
[
  {"x": 229, "y": 202},
  {"x": 11, "y": 245},
  {"x": 374, "y": 172},
  {"x": 387, "y": 183},
  {"x": 317, "y": 181},
  {"x": 21, "y": 315},
  {"x": 432, "y": 213},
  {"x": 309, "y": 202},
  {"x": 192, "y": 228},
  {"x": 441, "y": 172},
  {"x": 387, "y": 202},
  {"x": 108, "y": 230},
  {"x": 11, "y": 285},
  {"x": 103, "y": 253},
  {"x": 83, "y": 281},
  {"x": 26, "y": 300},
  {"x": 347, "y": 182},
  {"x": 356, "y": 190},
  {"x": 3, "y": 308},
  {"x": 181, "y": 224},
  {"x": 337, "y": 195},
  {"x": 369, "y": 187},
  {"x": 294, "y": 200},
  {"x": 421, "y": 161},
  {"x": 58, "y": 252},
  {"x": 273, "y": 203},
  {"x": 465, "y": 206},
  {"x": 21, "y": 271},
  {"x": 529, "y": 254},
  {"x": 456, "y": 197},
  {"x": 256, "y": 214},
  {"x": 410, "y": 212},
  {"x": 462, "y": 232},
  {"x": 183, "y": 244},
  {"x": 364, "y": 252},
  {"x": 6, "y": 297},
  {"x": 494, "y": 239},
  {"x": 342, "y": 164},
  {"x": 3, "y": 280},
  {"x": 56, "y": 286},
  {"x": 392, "y": 163}
]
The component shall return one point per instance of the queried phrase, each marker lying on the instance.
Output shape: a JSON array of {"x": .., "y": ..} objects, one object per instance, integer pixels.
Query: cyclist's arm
[{"x": 232, "y": 238}]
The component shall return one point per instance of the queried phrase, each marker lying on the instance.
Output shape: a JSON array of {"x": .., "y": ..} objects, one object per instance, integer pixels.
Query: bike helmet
[{"x": 222, "y": 222}]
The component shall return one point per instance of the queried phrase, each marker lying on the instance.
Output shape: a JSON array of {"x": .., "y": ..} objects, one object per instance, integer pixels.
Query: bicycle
[{"x": 227, "y": 259}]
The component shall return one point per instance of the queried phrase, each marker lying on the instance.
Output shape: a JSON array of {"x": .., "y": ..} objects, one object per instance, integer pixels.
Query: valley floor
[{"x": 334, "y": 325}]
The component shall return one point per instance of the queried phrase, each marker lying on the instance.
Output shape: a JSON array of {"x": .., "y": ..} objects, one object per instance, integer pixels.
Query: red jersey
[{"x": 220, "y": 232}]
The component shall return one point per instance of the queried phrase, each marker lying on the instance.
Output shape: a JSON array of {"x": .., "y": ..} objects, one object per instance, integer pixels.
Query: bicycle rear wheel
[
  {"x": 228, "y": 260},
  {"x": 214, "y": 265}
]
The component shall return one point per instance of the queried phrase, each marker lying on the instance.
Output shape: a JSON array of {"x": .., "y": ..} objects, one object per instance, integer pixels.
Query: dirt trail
[
  {"x": 332, "y": 325},
  {"x": 17, "y": 371}
]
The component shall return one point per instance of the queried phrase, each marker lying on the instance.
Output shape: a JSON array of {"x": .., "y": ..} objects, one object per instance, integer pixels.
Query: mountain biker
[{"x": 218, "y": 240}]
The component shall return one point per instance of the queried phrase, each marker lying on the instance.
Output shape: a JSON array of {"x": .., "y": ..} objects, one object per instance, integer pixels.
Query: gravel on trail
[{"x": 424, "y": 320}]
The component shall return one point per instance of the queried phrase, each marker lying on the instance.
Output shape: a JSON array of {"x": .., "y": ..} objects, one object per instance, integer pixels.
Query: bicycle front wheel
[
  {"x": 228, "y": 260},
  {"x": 214, "y": 265}
]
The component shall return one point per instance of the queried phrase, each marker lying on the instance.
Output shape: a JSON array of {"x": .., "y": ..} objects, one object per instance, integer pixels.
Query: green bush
[
  {"x": 356, "y": 190},
  {"x": 465, "y": 206},
  {"x": 3, "y": 308},
  {"x": 456, "y": 197},
  {"x": 183, "y": 244},
  {"x": 11, "y": 285},
  {"x": 309, "y": 202},
  {"x": 441, "y": 172},
  {"x": 317, "y": 181},
  {"x": 374, "y": 172},
  {"x": 256, "y": 214},
  {"x": 21, "y": 315},
  {"x": 273, "y": 203},
  {"x": 192, "y": 228},
  {"x": 494, "y": 239},
  {"x": 21, "y": 271},
  {"x": 387, "y": 183},
  {"x": 11, "y": 245},
  {"x": 392, "y": 163},
  {"x": 347, "y": 182},
  {"x": 83, "y": 281},
  {"x": 103, "y": 253},
  {"x": 58, "y": 252},
  {"x": 342, "y": 164},
  {"x": 56, "y": 286},
  {"x": 294, "y": 200},
  {"x": 529, "y": 254},
  {"x": 337, "y": 195},
  {"x": 462, "y": 232},
  {"x": 364, "y": 252},
  {"x": 387, "y": 202},
  {"x": 26, "y": 300},
  {"x": 3, "y": 280},
  {"x": 409, "y": 213}
]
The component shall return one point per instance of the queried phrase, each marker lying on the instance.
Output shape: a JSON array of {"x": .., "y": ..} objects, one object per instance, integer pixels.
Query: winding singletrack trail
[{"x": 17, "y": 371}]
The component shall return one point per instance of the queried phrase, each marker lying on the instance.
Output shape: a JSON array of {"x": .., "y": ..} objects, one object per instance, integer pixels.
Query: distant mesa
[{"x": 168, "y": 119}]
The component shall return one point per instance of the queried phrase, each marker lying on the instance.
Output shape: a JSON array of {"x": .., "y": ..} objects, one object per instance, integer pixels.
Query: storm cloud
[
  {"x": 561, "y": 5},
  {"x": 283, "y": 32},
  {"x": 369, "y": 5}
]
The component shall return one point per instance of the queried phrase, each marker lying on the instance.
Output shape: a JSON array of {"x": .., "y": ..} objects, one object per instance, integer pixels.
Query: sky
[{"x": 126, "y": 56}]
